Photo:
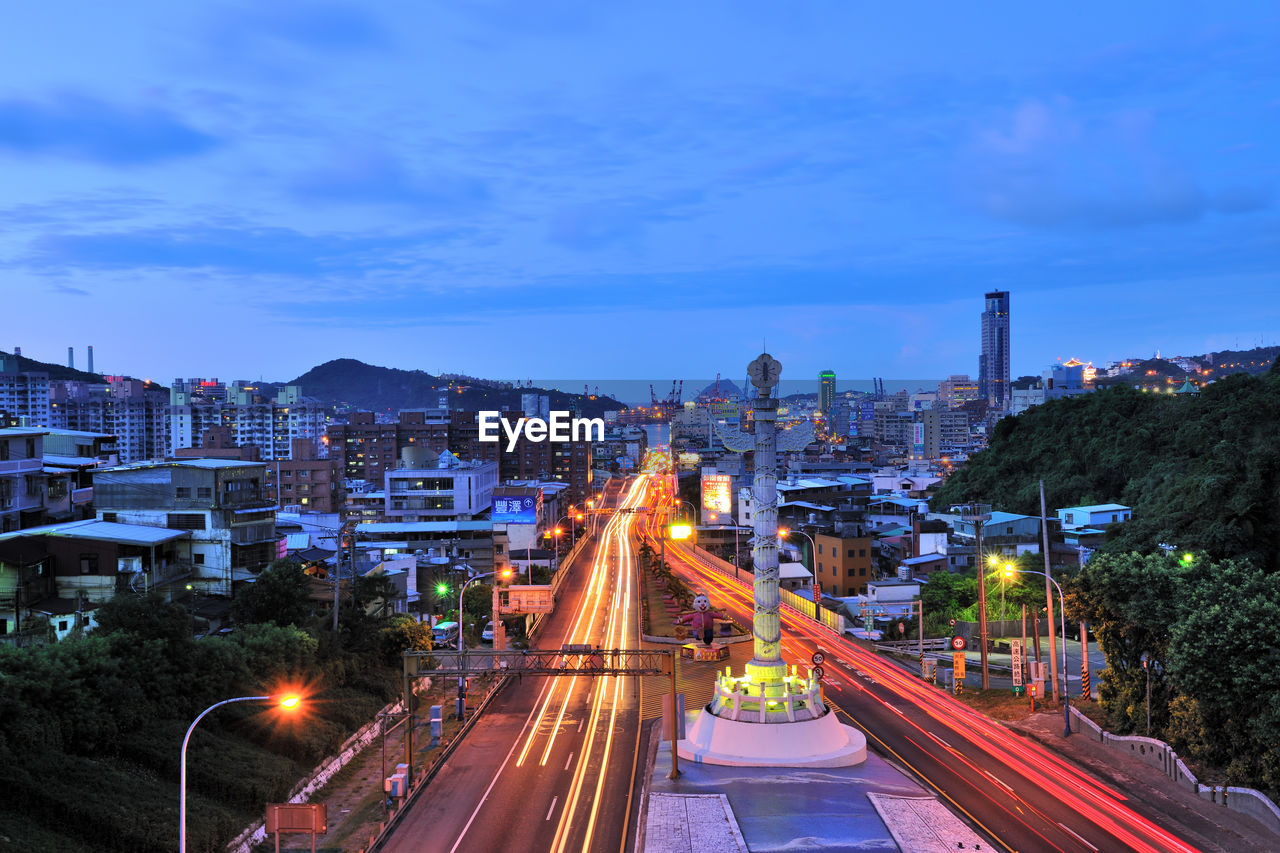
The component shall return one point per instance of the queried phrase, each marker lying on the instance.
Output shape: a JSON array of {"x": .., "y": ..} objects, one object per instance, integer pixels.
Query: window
[
  {"x": 183, "y": 492},
  {"x": 62, "y": 624},
  {"x": 819, "y": 549},
  {"x": 88, "y": 564},
  {"x": 204, "y": 492},
  {"x": 862, "y": 552},
  {"x": 862, "y": 571},
  {"x": 31, "y": 448},
  {"x": 851, "y": 552},
  {"x": 185, "y": 521},
  {"x": 198, "y": 558},
  {"x": 819, "y": 567},
  {"x": 4, "y": 451},
  {"x": 851, "y": 574},
  {"x": 109, "y": 516}
]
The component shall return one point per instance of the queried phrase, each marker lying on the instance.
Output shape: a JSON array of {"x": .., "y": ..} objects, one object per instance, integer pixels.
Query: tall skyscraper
[
  {"x": 993, "y": 363},
  {"x": 826, "y": 391}
]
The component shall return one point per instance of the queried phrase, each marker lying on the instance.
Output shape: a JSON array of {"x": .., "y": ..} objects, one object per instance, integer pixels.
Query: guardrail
[
  {"x": 1161, "y": 756},
  {"x": 793, "y": 601}
]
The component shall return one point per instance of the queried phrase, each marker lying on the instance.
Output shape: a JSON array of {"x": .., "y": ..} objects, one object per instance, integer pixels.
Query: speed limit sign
[
  {"x": 958, "y": 643},
  {"x": 817, "y": 672},
  {"x": 818, "y": 658}
]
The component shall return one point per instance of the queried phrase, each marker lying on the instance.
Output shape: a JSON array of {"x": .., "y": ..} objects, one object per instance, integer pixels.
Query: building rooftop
[
  {"x": 105, "y": 531},
  {"x": 205, "y": 463},
  {"x": 70, "y": 461},
  {"x": 1096, "y": 508},
  {"x": 20, "y": 432},
  {"x": 392, "y": 527},
  {"x": 79, "y": 433}
]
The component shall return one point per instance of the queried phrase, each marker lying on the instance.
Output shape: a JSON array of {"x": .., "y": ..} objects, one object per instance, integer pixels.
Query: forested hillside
[{"x": 1202, "y": 472}]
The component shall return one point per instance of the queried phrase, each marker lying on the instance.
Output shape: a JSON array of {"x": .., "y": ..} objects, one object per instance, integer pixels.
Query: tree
[
  {"x": 403, "y": 633},
  {"x": 145, "y": 616},
  {"x": 278, "y": 596}
]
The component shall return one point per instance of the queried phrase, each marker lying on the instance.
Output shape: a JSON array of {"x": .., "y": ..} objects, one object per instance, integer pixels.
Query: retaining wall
[{"x": 1161, "y": 756}]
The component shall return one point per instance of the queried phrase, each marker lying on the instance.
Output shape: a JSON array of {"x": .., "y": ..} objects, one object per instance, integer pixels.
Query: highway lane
[
  {"x": 1021, "y": 794},
  {"x": 550, "y": 767}
]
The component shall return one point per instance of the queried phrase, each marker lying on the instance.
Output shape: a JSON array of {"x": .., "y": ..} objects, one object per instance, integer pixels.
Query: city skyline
[{"x": 449, "y": 189}]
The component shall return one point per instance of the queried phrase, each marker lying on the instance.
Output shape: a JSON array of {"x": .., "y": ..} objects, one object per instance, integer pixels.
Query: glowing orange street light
[{"x": 288, "y": 702}]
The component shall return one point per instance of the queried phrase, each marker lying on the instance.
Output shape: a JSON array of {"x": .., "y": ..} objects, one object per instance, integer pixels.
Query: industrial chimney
[
  {"x": 71, "y": 357},
  {"x": 91, "y": 358}
]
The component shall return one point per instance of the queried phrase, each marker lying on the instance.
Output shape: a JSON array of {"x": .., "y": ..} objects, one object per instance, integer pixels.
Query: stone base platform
[{"x": 820, "y": 742}]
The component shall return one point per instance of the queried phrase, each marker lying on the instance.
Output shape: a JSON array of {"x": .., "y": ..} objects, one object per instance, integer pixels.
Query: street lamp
[
  {"x": 784, "y": 532},
  {"x": 462, "y": 689},
  {"x": 1009, "y": 572},
  {"x": 288, "y": 702}
]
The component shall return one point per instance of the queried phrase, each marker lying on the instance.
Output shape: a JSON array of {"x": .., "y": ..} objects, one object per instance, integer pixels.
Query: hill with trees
[
  {"x": 346, "y": 382},
  {"x": 1202, "y": 471}
]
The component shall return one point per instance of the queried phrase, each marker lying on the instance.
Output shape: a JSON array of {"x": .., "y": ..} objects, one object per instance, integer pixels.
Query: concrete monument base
[{"x": 820, "y": 742}]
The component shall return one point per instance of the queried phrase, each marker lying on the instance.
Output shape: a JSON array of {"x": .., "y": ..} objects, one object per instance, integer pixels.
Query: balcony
[{"x": 12, "y": 467}]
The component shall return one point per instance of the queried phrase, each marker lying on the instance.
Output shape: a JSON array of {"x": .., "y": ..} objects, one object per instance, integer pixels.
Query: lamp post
[
  {"x": 1009, "y": 572},
  {"x": 462, "y": 680},
  {"x": 288, "y": 703}
]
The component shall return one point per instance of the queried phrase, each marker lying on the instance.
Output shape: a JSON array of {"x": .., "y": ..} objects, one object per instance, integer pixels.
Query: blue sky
[{"x": 564, "y": 189}]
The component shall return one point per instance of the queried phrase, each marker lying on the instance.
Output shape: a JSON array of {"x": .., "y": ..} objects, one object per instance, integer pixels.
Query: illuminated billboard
[
  {"x": 515, "y": 510},
  {"x": 717, "y": 493}
]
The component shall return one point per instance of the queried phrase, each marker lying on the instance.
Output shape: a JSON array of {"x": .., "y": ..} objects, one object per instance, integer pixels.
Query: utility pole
[
  {"x": 1048, "y": 596},
  {"x": 977, "y": 513}
]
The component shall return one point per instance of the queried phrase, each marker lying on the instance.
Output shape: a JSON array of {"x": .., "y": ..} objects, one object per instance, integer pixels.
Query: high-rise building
[
  {"x": 827, "y": 390},
  {"x": 993, "y": 363}
]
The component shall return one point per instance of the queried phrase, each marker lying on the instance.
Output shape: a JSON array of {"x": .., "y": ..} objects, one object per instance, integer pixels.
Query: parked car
[{"x": 487, "y": 633}]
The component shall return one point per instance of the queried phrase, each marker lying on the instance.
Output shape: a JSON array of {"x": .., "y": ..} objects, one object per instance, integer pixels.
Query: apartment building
[{"x": 221, "y": 502}]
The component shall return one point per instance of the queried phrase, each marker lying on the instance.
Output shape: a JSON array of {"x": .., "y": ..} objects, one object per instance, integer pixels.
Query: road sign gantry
[{"x": 574, "y": 659}]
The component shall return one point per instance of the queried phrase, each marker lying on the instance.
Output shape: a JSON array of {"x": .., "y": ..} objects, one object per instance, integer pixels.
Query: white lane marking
[
  {"x": 557, "y": 797},
  {"x": 1010, "y": 790},
  {"x": 581, "y": 723},
  {"x": 941, "y": 741},
  {"x": 1078, "y": 838},
  {"x": 568, "y": 761}
]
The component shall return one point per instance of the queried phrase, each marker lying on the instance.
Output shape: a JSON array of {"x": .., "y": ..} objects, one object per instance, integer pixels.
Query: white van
[{"x": 445, "y": 635}]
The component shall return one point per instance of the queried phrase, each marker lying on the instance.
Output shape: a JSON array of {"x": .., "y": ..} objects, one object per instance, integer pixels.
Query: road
[
  {"x": 1021, "y": 794},
  {"x": 551, "y": 763}
]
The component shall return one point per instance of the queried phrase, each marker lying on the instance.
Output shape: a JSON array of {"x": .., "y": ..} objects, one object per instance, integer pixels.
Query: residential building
[
  {"x": 365, "y": 447},
  {"x": 843, "y": 564},
  {"x": 945, "y": 432},
  {"x": 1097, "y": 515},
  {"x": 993, "y": 363},
  {"x": 70, "y": 458},
  {"x": 64, "y": 571},
  {"x": 221, "y": 502},
  {"x": 308, "y": 481},
  {"x": 126, "y": 408},
  {"x": 957, "y": 389},
  {"x": 24, "y": 395},
  {"x": 449, "y": 490},
  {"x": 271, "y": 425},
  {"x": 21, "y": 477}
]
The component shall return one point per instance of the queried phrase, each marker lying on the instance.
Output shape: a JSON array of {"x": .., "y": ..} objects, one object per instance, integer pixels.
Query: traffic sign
[
  {"x": 817, "y": 672},
  {"x": 957, "y": 665},
  {"x": 818, "y": 658},
  {"x": 958, "y": 643},
  {"x": 1015, "y": 649},
  {"x": 953, "y": 623}
]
